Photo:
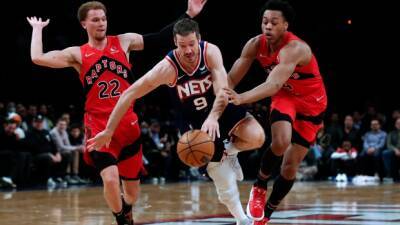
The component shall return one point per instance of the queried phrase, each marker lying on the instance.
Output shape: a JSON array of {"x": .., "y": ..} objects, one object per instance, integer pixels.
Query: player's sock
[
  {"x": 269, "y": 161},
  {"x": 127, "y": 208},
  {"x": 280, "y": 189},
  {"x": 226, "y": 186},
  {"x": 230, "y": 148},
  {"x": 124, "y": 217},
  {"x": 120, "y": 217}
]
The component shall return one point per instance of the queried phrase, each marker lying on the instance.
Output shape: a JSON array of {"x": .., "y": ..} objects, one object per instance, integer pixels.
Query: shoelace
[{"x": 258, "y": 196}]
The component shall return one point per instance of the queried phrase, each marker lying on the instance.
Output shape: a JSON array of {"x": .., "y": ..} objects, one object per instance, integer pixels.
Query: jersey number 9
[{"x": 200, "y": 103}]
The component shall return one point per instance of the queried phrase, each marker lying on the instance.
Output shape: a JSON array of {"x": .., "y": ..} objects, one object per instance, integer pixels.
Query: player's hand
[
  {"x": 195, "y": 7},
  {"x": 37, "y": 22},
  {"x": 211, "y": 126},
  {"x": 101, "y": 139},
  {"x": 233, "y": 97}
]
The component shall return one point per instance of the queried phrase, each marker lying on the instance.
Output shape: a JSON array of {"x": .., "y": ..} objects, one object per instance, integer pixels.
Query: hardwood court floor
[{"x": 196, "y": 203}]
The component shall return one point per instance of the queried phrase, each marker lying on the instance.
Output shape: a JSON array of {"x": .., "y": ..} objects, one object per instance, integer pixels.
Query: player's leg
[
  {"x": 228, "y": 194},
  {"x": 129, "y": 167},
  {"x": 284, "y": 183},
  {"x": 131, "y": 194},
  {"x": 247, "y": 135},
  {"x": 106, "y": 163},
  {"x": 242, "y": 132},
  {"x": 281, "y": 131},
  {"x": 305, "y": 129}
]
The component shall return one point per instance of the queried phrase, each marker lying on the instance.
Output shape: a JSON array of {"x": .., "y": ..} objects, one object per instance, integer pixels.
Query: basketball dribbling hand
[
  {"x": 101, "y": 139},
  {"x": 211, "y": 126},
  {"x": 37, "y": 22},
  {"x": 233, "y": 97},
  {"x": 195, "y": 7}
]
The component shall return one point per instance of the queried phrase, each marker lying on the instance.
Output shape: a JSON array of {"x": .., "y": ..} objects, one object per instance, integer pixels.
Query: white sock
[
  {"x": 227, "y": 189},
  {"x": 231, "y": 149},
  {"x": 237, "y": 211}
]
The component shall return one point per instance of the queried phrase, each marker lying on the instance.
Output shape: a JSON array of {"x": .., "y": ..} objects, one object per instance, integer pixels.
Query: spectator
[
  {"x": 391, "y": 156},
  {"x": 344, "y": 161},
  {"x": 350, "y": 133},
  {"x": 47, "y": 122},
  {"x": 46, "y": 157},
  {"x": 21, "y": 111},
  {"x": 76, "y": 135},
  {"x": 335, "y": 131},
  {"x": 8, "y": 148},
  {"x": 323, "y": 151},
  {"x": 357, "y": 120},
  {"x": 59, "y": 135},
  {"x": 374, "y": 142},
  {"x": 18, "y": 121}
]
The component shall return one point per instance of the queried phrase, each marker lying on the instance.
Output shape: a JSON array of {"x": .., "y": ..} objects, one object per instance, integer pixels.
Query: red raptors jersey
[
  {"x": 305, "y": 81},
  {"x": 105, "y": 74}
]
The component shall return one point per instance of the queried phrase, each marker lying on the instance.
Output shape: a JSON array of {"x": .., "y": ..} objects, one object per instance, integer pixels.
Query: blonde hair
[{"x": 85, "y": 7}]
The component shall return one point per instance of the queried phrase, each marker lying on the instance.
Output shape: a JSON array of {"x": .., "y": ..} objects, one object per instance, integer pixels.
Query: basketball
[{"x": 195, "y": 148}]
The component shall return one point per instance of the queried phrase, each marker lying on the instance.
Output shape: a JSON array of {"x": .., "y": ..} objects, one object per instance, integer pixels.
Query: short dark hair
[
  {"x": 85, "y": 7},
  {"x": 280, "y": 5},
  {"x": 186, "y": 26}
]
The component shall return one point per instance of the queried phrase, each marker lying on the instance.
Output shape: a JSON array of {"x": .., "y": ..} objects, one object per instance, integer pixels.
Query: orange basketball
[{"x": 195, "y": 148}]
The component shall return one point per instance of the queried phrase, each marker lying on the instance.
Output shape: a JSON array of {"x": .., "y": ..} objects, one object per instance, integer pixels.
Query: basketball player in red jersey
[
  {"x": 195, "y": 73},
  {"x": 298, "y": 102},
  {"x": 105, "y": 73}
]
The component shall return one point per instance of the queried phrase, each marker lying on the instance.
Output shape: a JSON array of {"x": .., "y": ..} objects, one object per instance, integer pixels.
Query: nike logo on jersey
[
  {"x": 320, "y": 98},
  {"x": 202, "y": 68},
  {"x": 113, "y": 50},
  {"x": 134, "y": 122},
  {"x": 87, "y": 55},
  {"x": 179, "y": 77}
]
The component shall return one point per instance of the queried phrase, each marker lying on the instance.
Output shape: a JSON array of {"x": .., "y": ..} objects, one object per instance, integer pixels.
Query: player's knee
[
  {"x": 110, "y": 177},
  {"x": 258, "y": 137},
  {"x": 280, "y": 144}
]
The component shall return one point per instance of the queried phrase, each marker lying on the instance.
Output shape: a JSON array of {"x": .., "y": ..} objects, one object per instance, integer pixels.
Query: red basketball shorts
[
  {"x": 125, "y": 149},
  {"x": 305, "y": 113}
]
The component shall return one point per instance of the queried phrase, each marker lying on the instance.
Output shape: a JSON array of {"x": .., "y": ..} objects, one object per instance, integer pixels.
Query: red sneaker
[
  {"x": 261, "y": 222},
  {"x": 255, "y": 207}
]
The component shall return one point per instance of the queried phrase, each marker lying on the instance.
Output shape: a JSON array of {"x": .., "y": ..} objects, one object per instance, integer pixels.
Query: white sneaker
[
  {"x": 7, "y": 182},
  {"x": 233, "y": 162},
  {"x": 51, "y": 183}
]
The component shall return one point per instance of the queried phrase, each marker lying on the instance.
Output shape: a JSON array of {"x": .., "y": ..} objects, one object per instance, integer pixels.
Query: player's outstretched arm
[
  {"x": 219, "y": 78},
  {"x": 243, "y": 63},
  {"x": 54, "y": 59},
  {"x": 162, "y": 73},
  {"x": 290, "y": 56},
  {"x": 163, "y": 38}
]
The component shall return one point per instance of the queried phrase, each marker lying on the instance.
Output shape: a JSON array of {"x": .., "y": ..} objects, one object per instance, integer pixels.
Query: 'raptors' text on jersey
[
  {"x": 193, "y": 92},
  {"x": 306, "y": 80},
  {"x": 105, "y": 74}
]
